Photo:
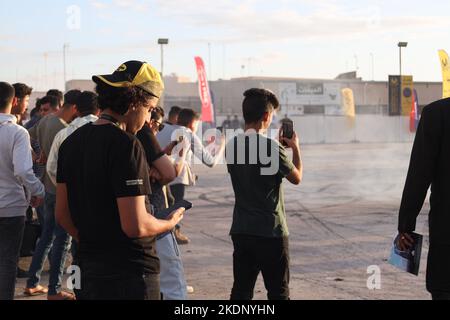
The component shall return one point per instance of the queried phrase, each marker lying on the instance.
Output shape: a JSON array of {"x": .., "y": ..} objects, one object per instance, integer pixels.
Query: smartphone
[
  {"x": 287, "y": 129},
  {"x": 164, "y": 214},
  {"x": 178, "y": 140}
]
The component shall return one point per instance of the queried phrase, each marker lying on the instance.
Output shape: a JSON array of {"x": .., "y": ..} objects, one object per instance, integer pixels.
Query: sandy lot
[{"x": 342, "y": 220}]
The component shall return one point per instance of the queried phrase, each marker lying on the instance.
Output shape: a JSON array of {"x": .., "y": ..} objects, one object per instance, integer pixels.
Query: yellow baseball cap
[{"x": 135, "y": 73}]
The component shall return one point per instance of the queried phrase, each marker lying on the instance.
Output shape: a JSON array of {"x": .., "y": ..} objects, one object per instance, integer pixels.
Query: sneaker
[
  {"x": 190, "y": 289},
  {"x": 181, "y": 238}
]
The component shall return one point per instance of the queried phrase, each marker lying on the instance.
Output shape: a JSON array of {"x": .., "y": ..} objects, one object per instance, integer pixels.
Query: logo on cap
[{"x": 122, "y": 68}]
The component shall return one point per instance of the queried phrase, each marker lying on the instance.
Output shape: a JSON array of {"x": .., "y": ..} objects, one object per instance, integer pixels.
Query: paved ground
[{"x": 342, "y": 220}]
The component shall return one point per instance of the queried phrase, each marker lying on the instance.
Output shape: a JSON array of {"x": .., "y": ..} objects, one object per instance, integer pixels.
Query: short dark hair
[
  {"x": 157, "y": 113},
  {"x": 87, "y": 103},
  {"x": 257, "y": 102},
  {"x": 186, "y": 116},
  {"x": 174, "y": 111},
  {"x": 56, "y": 93},
  {"x": 22, "y": 90},
  {"x": 120, "y": 100},
  {"x": 71, "y": 98},
  {"x": 7, "y": 93},
  {"x": 52, "y": 100}
]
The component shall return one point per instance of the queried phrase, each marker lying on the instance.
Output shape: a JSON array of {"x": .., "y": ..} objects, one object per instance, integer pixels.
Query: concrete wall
[
  {"x": 335, "y": 130},
  {"x": 366, "y": 129}
]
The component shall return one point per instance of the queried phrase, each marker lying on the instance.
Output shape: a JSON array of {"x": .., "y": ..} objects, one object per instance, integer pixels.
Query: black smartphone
[
  {"x": 178, "y": 140},
  {"x": 164, "y": 214},
  {"x": 183, "y": 204},
  {"x": 287, "y": 130}
]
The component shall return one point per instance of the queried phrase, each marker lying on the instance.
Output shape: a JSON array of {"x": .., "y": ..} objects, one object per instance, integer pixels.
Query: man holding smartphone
[{"x": 259, "y": 231}]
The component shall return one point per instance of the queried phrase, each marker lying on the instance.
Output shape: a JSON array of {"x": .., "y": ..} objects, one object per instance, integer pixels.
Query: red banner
[{"x": 205, "y": 94}]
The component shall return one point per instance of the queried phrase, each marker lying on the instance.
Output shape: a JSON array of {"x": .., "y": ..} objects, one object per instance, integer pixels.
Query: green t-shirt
[{"x": 257, "y": 166}]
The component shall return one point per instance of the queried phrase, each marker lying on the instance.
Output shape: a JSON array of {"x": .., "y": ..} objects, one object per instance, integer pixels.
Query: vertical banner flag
[
  {"x": 407, "y": 92},
  {"x": 394, "y": 95},
  {"x": 205, "y": 94},
  {"x": 348, "y": 103},
  {"x": 443, "y": 56},
  {"x": 414, "y": 116}
]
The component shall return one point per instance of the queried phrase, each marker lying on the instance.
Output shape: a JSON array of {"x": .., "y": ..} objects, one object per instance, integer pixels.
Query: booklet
[{"x": 408, "y": 260}]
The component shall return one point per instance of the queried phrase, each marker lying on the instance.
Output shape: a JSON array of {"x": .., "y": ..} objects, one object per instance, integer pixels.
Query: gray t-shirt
[
  {"x": 259, "y": 208},
  {"x": 44, "y": 133}
]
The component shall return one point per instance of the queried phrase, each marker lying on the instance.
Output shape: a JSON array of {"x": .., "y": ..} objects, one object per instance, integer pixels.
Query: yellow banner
[
  {"x": 407, "y": 93},
  {"x": 443, "y": 56},
  {"x": 348, "y": 103}
]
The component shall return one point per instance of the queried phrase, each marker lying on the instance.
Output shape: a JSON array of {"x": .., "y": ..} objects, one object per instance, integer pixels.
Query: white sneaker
[{"x": 190, "y": 289}]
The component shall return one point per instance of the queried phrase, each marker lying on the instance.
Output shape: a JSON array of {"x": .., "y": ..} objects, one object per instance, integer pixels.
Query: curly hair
[{"x": 120, "y": 100}]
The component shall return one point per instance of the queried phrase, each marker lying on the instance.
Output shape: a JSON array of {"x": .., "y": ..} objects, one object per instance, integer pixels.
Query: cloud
[
  {"x": 137, "y": 5},
  {"x": 251, "y": 21}
]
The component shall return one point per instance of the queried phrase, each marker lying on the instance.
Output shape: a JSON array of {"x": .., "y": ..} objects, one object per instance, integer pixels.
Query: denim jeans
[
  {"x": 11, "y": 233},
  {"x": 172, "y": 280},
  {"x": 53, "y": 238}
]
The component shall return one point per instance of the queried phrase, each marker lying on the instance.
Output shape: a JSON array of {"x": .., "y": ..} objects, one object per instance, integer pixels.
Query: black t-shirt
[
  {"x": 100, "y": 163},
  {"x": 153, "y": 152},
  {"x": 151, "y": 146}
]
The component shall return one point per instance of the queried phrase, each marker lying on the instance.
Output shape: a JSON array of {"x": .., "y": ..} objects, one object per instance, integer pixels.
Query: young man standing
[
  {"x": 21, "y": 101},
  {"x": 259, "y": 231},
  {"x": 18, "y": 187},
  {"x": 103, "y": 182},
  {"x": 87, "y": 112},
  {"x": 187, "y": 127},
  {"x": 165, "y": 135},
  {"x": 53, "y": 237},
  {"x": 172, "y": 281}
]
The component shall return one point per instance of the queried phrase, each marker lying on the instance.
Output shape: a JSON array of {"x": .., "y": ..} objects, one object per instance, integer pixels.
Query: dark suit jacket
[{"x": 430, "y": 165}]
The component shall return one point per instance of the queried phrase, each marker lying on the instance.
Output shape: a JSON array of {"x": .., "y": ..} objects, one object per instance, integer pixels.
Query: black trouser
[
  {"x": 252, "y": 255},
  {"x": 117, "y": 286},
  {"x": 438, "y": 271},
  {"x": 178, "y": 191},
  {"x": 11, "y": 234}
]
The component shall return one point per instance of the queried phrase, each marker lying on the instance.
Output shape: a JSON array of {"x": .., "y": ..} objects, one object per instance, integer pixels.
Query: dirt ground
[{"x": 342, "y": 219}]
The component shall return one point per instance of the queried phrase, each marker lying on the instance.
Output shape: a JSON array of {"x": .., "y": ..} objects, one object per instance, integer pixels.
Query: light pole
[
  {"x": 162, "y": 42},
  {"x": 209, "y": 61},
  {"x": 400, "y": 46},
  {"x": 65, "y": 47},
  {"x": 373, "y": 66}
]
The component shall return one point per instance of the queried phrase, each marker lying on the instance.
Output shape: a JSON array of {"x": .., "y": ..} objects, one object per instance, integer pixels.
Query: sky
[{"x": 279, "y": 38}]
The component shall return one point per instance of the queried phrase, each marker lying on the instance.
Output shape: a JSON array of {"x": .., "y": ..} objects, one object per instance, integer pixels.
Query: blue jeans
[
  {"x": 11, "y": 233},
  {"x": 53, "y": 238}
]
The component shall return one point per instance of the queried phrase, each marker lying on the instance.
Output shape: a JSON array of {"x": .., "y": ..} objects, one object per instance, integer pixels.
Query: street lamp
[
  {"x": 162, "y": 42},
  {"x": 400, "y": 46},
  {"x": 65, "y": 47}
]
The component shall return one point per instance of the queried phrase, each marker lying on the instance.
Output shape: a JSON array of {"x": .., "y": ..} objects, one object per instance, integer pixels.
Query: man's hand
[
  {"x": 36, "y": 202},
  {"x": 291, "y": 143},
  {"x": 176, "y": 216},
  {"x": 168, "y": 150},
  {"x": 405, "y": 241},
  {"x": 42, "y": 160}
]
